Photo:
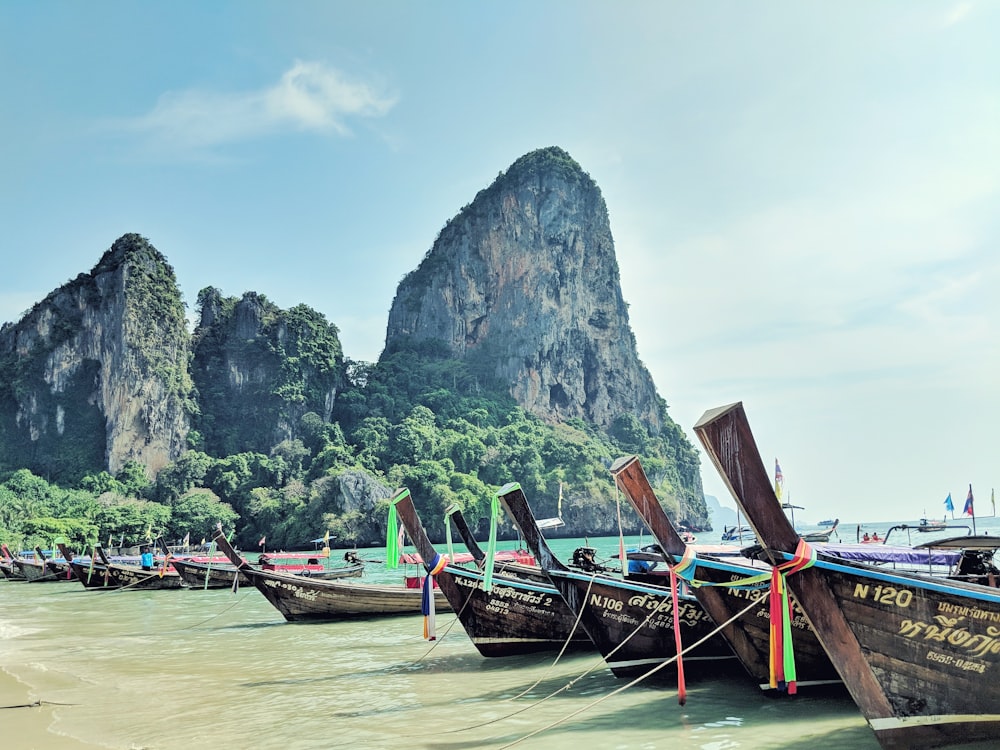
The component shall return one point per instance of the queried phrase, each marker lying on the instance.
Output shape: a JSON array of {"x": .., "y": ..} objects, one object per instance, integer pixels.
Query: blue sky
[{"x": 804, "y": 196}]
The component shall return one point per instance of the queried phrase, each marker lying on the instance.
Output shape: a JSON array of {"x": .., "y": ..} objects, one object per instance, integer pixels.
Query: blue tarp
[{"x": 876, "y": 554}]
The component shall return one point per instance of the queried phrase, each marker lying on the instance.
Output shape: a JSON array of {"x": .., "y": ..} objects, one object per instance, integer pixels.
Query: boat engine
[{"x": 585, "y": 558}]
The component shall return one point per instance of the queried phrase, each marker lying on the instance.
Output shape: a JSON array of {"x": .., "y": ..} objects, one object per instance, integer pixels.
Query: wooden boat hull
[
  {"x": 204, "y": 576},
  {"x": 96, "y": 577},
  {"x": 747, "y": 631},
  {"x": 332, "y": 574},
  {"x": 33, "y": 572},
  {"x": 919, "y": 655},
  {"x": 218, "y": 576},
  {"x": 300, "y": 599},
  {"x": 631, "y": 624},
  {"x": 133, "y": 577},
  {"x": 519, "y": 615},
  {"x": 515, "y": 617}
]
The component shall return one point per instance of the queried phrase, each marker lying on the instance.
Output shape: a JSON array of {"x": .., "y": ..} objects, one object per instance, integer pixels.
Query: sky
[{"x": 803, "y": 196}]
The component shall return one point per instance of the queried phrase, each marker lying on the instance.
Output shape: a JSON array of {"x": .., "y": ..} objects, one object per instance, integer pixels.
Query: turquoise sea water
[{"x": 178, "y": 669}]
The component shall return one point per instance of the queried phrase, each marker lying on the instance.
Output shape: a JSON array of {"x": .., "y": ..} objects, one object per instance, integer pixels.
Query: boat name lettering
[
  {"x": 647, "y": 601},
  {"x": 297, "y": 591},
  {"x": 508, "y": 592},
  {"x": 799, "y": 621},
  {"x": 946, "y": 632},
  {"x": 747, "y": 593},
  {"x": 606, "y": 602},
  {"x": 884, "y": 594},
  {"x": 622, "y": 617},
  {"x": 963, "y": 664},
  {"x": 973, "y": 613}
]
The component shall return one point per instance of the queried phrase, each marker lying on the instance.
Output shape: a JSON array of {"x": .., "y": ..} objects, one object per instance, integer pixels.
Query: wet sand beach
[{"x": 26, "y": 719}]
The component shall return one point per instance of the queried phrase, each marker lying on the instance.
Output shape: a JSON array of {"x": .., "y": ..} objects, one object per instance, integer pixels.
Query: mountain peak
[{"x": 525, "y": 280}]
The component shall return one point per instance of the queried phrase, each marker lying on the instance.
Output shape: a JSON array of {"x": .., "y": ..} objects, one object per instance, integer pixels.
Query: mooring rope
[
  {"x": 616, "y": 691},
  {"x": 39, "y": 703},
  {"x": 436, "y": 641},
  {"x": 602, "y": 662},
  {"x": 569, "y": 639}
]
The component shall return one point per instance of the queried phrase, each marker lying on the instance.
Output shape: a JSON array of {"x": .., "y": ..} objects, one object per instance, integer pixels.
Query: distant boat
[
  {"x": 926, "y": 525},
  {"x": 823, "y": 536},
  {"x": 738, "y": 534},
  {"x": 828, "y": 522}
]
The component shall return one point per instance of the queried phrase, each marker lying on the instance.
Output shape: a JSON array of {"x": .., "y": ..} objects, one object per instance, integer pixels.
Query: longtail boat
[
  {"x": 725, "y": 587},
  {"x": 7, "y": 567},
  {"x": 631, "y": 623},
  {"x": 503, "y": 614},
  {"x": 306, "y": 599},
  {"x": 90, "y": 573},
  {"x": 32, "y": 568},
  {"x": 53, "y": 569},
  {"x": 209, "y": 575},
  {"x": 919, "y": 654},
  {"x": 158, "y": 576}
]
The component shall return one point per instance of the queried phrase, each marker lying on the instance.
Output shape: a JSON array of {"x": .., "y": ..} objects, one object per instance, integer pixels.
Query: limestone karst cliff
[
  {"x": 524, "y": 283},
  {"x": 518, "y": 301},
  {"x": 258, "y": 369},
  {"x": 525, "y": 277},
  {"x": 95, "y": 375}
]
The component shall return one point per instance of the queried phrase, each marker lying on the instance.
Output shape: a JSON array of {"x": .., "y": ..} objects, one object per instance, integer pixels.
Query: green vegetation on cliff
[
  {"x": 258, "y": 369},
  {"x": 414, "y": 419}
]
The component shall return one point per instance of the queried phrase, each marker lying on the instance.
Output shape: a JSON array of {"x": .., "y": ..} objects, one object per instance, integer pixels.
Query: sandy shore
[{"x": 26, "y": 724}]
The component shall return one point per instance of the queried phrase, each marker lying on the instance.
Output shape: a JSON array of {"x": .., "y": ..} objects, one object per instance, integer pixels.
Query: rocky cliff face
[
  {"x": 526, "y": 278},
  {"x": 95, "y": 374},
  {"x": 258, "y": 369}
]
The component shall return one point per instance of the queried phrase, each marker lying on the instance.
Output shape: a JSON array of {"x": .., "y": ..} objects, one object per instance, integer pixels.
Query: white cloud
[{"x": 308, "y": 97}]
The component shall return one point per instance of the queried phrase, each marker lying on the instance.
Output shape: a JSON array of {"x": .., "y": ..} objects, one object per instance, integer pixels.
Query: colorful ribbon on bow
[
  {"x": 782, "y": 662},
  {"x": 427, "y": 596},
  {"x": 491, "y": 545},
  {"x": 782, "y": 656},
  {"x": 391, "y": 540}
]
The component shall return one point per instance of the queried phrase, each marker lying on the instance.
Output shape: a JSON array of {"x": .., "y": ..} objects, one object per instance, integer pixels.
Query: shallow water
[{"x": 174, "y": 669}]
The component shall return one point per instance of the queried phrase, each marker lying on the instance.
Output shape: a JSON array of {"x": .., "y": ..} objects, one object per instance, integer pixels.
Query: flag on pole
[
  {"x": 969, "y": 510},
  {"x": 948, "y": 504},
  {"x": 779, "y": 479},
  {"x": 262, "y": 540}
]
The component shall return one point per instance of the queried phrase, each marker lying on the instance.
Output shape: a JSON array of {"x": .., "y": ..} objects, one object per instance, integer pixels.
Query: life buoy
[{"x": 306, "y": 572}]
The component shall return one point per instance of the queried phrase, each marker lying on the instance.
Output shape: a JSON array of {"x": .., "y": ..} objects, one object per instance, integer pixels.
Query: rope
[
  {"x": 37, "y": 704},
  {"x": 623, "y": 688},
  {"x": 569, "y": 639},
  {"x": 599, "y": 663},
  {"x": 434, "y": 644}
]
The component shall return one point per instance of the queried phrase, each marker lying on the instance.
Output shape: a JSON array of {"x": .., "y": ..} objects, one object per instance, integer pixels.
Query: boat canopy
[
  {"x": 887, "y": 553},
  {"x": 980, "y": 541}
]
